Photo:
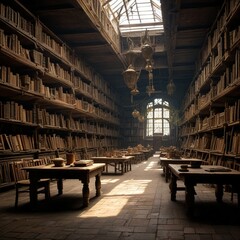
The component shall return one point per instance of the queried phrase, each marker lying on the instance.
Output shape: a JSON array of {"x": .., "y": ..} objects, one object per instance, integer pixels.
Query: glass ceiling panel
[{"x": 136, "y": 15}]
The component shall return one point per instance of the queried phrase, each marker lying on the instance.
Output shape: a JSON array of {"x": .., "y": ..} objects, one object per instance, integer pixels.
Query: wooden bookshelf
[
  {"x": 210, "y": 110},
  {"x": 51, "y": 99}
]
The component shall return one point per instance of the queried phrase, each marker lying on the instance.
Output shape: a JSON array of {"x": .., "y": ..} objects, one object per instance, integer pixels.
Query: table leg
[
  {"x": 33, "y": 192},
  {"x": 60, "y": 186},
  {"x": 122, "y": 166},
  {"x": 189, "y": 197},
  {"x": 173, "y": 187},
  {"x": 219, "y": 192},
  {"x": 85, "y": 193},
  {"x": 98, "y": 185},
  {"x": 167, "y": 173}
]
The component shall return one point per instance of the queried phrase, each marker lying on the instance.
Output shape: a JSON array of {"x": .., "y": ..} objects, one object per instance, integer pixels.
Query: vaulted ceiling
[{"x": 186, "y": 24}]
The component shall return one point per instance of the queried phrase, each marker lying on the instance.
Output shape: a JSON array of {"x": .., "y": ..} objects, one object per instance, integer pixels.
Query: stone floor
[{"x": 135, "y": 205}]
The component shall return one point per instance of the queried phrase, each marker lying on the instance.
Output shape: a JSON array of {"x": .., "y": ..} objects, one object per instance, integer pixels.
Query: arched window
[{"x": 158, "y": 114}]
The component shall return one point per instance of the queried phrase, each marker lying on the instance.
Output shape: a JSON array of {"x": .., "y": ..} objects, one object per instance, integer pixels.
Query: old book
[
  {"x": 1, "y": 143},
  {"x": 83, "y": 163}
]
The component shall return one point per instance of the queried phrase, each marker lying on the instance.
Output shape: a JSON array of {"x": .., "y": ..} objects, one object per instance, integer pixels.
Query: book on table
[{"x": 83, "y": 163}]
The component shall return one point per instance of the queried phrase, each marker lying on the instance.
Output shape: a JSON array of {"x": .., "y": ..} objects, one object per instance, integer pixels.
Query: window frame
[{"x": 163, "y": 105}]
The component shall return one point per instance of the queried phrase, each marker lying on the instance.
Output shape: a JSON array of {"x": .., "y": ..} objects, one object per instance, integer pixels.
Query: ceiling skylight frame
[{"x": 136, "y": 15}]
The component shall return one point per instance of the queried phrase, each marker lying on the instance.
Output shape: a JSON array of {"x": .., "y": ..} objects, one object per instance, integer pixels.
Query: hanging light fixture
[
  {"x": 130, "y": 77},
  {"x": 146, "y": 49},
  {"x": 171, "y": 88},
  {"x": 147, "y": 52},
  {"x": 135, "y": 113}
]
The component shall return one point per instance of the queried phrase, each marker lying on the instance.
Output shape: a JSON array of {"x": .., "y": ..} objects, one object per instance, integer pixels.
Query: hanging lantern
[
  {"x": 147, "y": 50},
  {"x": 130, "y": 77},
  {"x": 171, "y": 88},
  {"x": 135, "y": 113},
  {"x": 141, "y": 118}
]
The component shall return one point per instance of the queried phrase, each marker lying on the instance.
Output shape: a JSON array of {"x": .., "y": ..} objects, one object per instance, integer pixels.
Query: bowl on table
[{"x": 58, "y": 162}]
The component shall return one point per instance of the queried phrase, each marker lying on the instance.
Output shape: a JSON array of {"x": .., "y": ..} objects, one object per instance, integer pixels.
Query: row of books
[
  {"x": 94, "y": 93},
  {"x": 89, "y": 127},
  {"x": 11, "y": 110},
  {"x": 15, "y": 111},
  {"x": 17, "y": 19},
  {"x": 204, "y": 142},
  {"x": 203, "y": 99},
  {"x": 229, "y": 144},
  {"x": 233, "y": 145},
  {"x": 232, "y": 112},
  {"x": 52, "y": 142},
  {"x": 228, "y": 116},
  {"x": 16, "y": 143},
  {"x": 21, "y": 142},
  {"x": 78, "y": 142}
]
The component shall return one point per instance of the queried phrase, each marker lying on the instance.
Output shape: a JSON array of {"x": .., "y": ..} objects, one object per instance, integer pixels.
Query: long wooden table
[
  {"x": 67, "y": 172},
  {"x": 121, "y": 164},
  {"x": 205, "y": 174},
  {"x": 166, "y": 161},
  {"x": 137, "y": 156}
]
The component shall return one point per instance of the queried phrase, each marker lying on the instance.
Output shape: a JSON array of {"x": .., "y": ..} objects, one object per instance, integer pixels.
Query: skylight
[{"x": 136, "y": 15}]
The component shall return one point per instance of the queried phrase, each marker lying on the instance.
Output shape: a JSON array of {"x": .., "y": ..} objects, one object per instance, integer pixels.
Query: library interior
[{"x": 120, "y": 119}]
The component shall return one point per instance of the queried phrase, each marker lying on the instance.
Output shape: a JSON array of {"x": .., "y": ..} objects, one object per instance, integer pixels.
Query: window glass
[
  {"x": 135, "y": 15},
  {"x": 166, "y": 113}
]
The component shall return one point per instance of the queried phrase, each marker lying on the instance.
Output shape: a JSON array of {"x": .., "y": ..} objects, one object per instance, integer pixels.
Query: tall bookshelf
[
  {"x": 51, "y": 100},
  {"x": 132, "y": 130},
  {"x": 209, "y": 127}
]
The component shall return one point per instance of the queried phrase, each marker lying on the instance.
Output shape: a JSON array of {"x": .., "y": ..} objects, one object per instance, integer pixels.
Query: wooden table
[
  {"x": 166, "y": 161},
  {"x": 147, "y": 153},
  {"x": 205, "y": 174},
  {"x": 121, "y": 164},
  {"x": 137, "y": 156},
  {"x": 67, "y": 172}
]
